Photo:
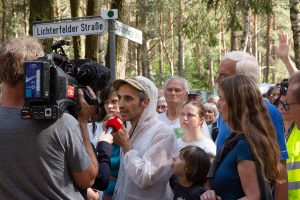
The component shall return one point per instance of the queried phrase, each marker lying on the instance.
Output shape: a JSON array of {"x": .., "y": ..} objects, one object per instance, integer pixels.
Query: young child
[{"x": 190, "y": 168}]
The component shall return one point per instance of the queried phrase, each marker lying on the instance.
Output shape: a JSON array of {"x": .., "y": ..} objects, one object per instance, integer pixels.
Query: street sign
[
  {"x": 129, "y": 32},
  {"x": 109, "y": 14},
  {"x": 84, "y": 26}
]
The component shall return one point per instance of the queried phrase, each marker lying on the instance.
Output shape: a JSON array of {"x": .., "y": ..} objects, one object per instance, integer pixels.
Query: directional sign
[
  {"x": 129, "y": 32},
  {"x": 84, "y": 26}
]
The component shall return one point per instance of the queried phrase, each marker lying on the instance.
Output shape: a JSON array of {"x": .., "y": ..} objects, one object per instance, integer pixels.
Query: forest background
[{"x": 180, "y": 37}]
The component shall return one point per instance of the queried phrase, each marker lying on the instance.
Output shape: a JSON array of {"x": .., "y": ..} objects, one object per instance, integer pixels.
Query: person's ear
[{"x": 145, "y": 102}]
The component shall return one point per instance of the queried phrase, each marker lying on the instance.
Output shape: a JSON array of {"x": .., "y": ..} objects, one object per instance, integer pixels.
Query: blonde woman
[{"x": 191, "y": 120}]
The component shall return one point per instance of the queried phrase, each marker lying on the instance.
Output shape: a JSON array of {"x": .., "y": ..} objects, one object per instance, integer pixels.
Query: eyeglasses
[{"x": 285, "y": 105}]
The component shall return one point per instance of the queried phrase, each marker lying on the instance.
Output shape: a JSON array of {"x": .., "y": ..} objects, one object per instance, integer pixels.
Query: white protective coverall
[{"x": 145, "y": 170}]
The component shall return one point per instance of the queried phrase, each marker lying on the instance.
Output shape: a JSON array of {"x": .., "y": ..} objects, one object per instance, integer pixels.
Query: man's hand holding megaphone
[{"x": 114, "y": 125}]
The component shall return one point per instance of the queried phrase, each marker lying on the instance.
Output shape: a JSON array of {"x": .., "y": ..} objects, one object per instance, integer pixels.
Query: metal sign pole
[{"x": 112, "y": 47}]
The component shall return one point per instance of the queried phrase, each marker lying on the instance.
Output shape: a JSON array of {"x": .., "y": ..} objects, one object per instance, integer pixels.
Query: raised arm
[
  {"x": 282, "y": 51},
  {"x": 84, "y": 179}
]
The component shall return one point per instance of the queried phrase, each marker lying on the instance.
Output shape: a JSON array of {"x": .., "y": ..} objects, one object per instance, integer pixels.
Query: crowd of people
[{"x": 172, "y": 144}]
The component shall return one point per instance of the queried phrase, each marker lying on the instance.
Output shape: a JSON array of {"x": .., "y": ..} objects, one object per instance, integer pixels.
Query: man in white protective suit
[{"x": 147, "y": 148}]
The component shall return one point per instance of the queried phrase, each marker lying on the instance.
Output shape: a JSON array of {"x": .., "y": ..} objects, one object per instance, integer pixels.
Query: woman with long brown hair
[{"x": 249, "y": 159}]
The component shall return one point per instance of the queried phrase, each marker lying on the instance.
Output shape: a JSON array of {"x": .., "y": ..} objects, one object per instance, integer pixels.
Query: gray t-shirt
[{"x": 38, "y": 156}]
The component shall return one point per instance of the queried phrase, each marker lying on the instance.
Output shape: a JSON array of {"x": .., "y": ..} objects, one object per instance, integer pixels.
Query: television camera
[{"x": 52, "y": 83}]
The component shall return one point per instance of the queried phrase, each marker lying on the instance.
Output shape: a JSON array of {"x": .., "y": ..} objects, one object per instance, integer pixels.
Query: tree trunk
[
  {"x": 233, "y": 46},
  {"x": 246, "y": 31},
  {"x": 268, "y": 47},
  {"x": 91, "y": 43},
  {"x": 222, "y": 41},
  {"x": 75, "y": 4},
  {"x": 102, "y": 50},
  {"x": 15, "y": 18},
  {"x": 123, "y": 7},
  {"x": 26, "y": 16},
  {"x": 57, "y": 9},
  {"x": 139, "y": 60},
  {"x": 161, "y": 34},
  {"x": 138, "y": 47},
  {"x": 171, "y": 57},
  {"x": 4, "y": 9},
  {"x": 211, "y": 71},
  {"x": 146, "y": 58},
  {"x": 295, "y": 23},
  {"x": 199, "y": 51},
  {"x": 146, "y": 64},
  {"x": 255, "y": 36},
  {"x": 41, "y": 11},
  {"x": 180, "y": 40}
]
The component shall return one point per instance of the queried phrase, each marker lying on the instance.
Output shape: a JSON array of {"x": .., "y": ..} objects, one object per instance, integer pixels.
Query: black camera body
[
  {"x": 284, "y": 84},
  {"x": 52, "y": 83},
  {"x": 49, "y": 91}
]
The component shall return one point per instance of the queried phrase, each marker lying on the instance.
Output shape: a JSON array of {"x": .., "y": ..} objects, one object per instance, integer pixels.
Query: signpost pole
[{"x": 112, "y": 47}]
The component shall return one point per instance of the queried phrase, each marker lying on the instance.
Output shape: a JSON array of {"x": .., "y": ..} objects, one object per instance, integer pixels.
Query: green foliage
[
  {"x": 202, "y": 22},
  {"x": 156, "y": 76},
  {"x": 196, "y": 79},
  {"x": 257, "y": 6},
  {"x": 198, "y": 25}
]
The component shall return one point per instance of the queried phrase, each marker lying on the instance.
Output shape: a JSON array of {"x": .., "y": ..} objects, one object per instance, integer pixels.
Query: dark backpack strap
[
  {"x": 228, "y": 144},
  {"x": 265, "y": 187},
  {"x": 214, "y": 130}
]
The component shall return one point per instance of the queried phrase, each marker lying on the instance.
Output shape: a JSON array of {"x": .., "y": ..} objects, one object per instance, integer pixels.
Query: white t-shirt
[
  {"x": 207, "y": 145},
  {"x": 175, "y": 125},
  {"x": 94, "y": 136}
]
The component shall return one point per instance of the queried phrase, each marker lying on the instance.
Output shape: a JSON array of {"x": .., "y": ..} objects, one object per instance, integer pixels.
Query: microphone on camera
[
  {"x": 59, "y": 44},
  {"x": 113, "y": 124}
]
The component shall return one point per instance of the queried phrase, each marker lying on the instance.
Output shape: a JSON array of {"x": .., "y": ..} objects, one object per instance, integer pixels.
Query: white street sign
[
  {"x": 129, "y": 32},
  {"x": 76, "y": 27}
]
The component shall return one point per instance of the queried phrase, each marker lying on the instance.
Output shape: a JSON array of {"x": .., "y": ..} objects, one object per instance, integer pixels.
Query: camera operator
[{"x": 40, "y": 159}]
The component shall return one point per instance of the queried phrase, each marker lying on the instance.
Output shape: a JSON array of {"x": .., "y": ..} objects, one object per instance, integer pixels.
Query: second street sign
[
  {"x": 95, "y": 25},
  {"x": 129, "y": 32}
]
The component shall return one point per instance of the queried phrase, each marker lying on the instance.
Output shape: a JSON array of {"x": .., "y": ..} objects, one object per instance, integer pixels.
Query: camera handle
[{"x": 90, "y": 100}]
